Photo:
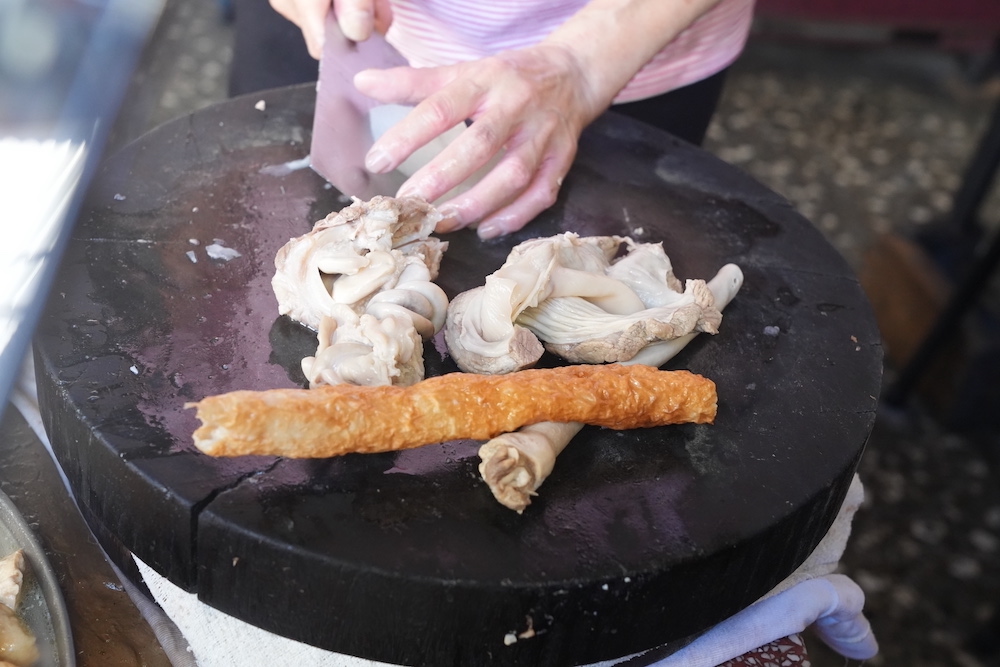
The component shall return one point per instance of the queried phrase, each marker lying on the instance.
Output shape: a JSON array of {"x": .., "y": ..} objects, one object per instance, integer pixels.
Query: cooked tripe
[
  {"x": 332, "y": 420},
  {"x": 17, "y": 644},
  {"x": 363, "y": 279},
  {"x": 575, "y": 297},
  {"x": 11, "y": 579}
]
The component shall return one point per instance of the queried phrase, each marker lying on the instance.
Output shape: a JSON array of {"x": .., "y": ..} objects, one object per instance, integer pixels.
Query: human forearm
[
  {"x": 611, "y": 40},
  {"x": 528, "y": 104}
]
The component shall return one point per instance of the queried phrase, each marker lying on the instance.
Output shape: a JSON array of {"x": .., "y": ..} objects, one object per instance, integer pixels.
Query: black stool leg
[
  {"x": 945, "y": 325},
  {"x": 977, "y": 179},
  {"x": 974, "y": 188}
]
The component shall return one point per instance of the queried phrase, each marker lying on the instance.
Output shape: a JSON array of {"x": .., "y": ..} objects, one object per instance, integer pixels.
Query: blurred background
[{"x": 874, "y": 121}]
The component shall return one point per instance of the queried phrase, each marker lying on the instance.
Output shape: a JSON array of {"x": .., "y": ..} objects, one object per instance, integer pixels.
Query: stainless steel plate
[{"x": 42, "y": 606}]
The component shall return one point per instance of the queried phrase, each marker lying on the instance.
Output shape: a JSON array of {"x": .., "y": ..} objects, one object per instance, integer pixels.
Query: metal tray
[{"x": 42, "y": 606}]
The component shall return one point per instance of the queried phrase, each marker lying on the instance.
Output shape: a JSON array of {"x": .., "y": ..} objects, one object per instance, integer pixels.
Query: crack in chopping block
[{"x": 201, "y": 505}]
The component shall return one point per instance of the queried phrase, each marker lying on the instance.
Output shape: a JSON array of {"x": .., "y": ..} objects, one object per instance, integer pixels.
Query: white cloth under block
[{"x": 811, "y": 597}]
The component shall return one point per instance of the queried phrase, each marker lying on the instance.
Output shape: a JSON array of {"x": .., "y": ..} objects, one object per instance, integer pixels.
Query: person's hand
[
  {"x": 357, "y": 18},
  {"x": 530, "y": 103}
]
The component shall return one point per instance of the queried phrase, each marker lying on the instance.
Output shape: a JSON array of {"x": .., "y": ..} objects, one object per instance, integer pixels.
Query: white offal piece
[
  {"x": 363, "y": 278},
  {"x": 514, "y": 465},
  {"x": 574, "y": 297}
]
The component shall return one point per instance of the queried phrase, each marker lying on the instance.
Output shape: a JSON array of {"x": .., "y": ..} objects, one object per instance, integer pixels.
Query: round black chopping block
[{"x": 638, "y": 539}]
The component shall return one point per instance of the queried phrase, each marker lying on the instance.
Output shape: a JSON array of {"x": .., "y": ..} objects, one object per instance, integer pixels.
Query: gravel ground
[
  {"x": 863, "y": 140},
  {"x": 867, "y": 141}
]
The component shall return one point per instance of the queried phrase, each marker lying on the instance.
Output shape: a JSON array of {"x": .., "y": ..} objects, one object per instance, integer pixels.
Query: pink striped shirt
[{"x": 431, "y": 33}]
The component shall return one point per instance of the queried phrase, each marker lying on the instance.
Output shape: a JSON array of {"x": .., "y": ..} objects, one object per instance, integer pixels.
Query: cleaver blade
[{"x": 342, "y": 129}]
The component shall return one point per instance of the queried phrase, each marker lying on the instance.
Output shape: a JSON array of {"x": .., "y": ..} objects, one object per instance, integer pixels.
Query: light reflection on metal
[
  {"x": 37, "y": 182},
  {"x": 56, "y": 110}
]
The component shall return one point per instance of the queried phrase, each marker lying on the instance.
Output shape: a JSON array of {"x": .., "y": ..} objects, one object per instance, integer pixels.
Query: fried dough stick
[
  {"x": 339, "y": 419},
  {"x": 514, "y": 465}
]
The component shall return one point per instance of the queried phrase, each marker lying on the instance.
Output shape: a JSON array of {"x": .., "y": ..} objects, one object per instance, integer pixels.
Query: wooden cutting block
[{"x": 640, "y": 538}]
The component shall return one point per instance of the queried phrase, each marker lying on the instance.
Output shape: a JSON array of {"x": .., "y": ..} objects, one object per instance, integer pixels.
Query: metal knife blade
[{"x": 342, "y": 131}]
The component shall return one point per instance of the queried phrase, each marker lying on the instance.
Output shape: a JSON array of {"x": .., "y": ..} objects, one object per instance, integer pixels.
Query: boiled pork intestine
[
  {"x": 365, "y": 350},
  {"x": 11, "y": 579},
  {"x": 570, "y": 295},
  {"x": 514, "y": 465},
  {"x": 18, "y": 646},
  {"x": 363, "y": 279}
]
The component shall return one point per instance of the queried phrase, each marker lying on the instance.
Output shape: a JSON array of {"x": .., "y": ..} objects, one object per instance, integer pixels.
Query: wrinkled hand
[
  {"x": 357, "y": 18},
  {"x": 530, "y": 103}
]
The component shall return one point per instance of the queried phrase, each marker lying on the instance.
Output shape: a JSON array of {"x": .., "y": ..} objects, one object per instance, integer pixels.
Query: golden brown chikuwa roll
[{"x": 340, "y": 419}]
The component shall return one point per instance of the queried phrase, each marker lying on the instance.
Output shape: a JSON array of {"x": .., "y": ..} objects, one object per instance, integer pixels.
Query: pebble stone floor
[{"x": 863, "y": 140}]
